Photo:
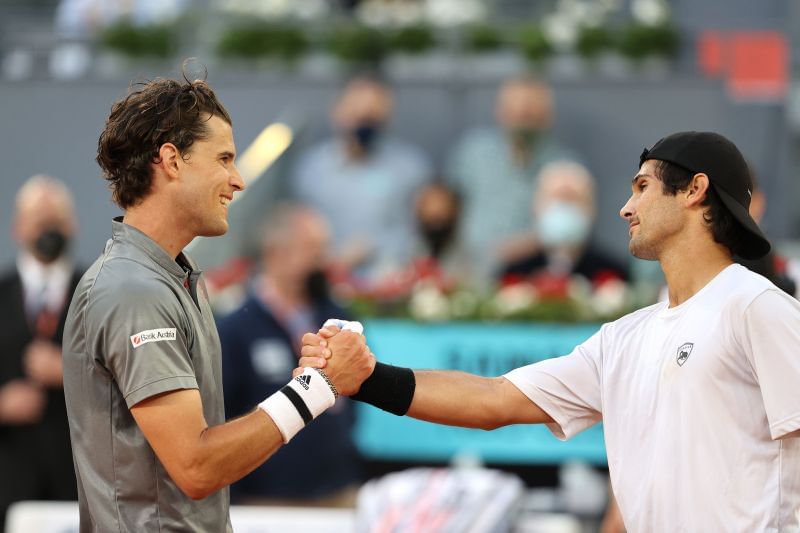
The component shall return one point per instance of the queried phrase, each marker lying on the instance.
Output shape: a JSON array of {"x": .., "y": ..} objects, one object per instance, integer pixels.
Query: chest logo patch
[
  {"x": 153, "y": 335},
  {"x": 683, "y": 352}
]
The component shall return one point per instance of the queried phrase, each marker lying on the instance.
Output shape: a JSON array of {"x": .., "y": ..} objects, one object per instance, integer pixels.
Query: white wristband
[
  {"x": 346, "y": 325},
  {"x": 303, "y": 399}
]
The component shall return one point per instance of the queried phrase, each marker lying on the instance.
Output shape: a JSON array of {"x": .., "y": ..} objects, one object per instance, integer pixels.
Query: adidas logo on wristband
[
  {"x": 304, "y": 380},
  {"x": 299, "y": 402}
]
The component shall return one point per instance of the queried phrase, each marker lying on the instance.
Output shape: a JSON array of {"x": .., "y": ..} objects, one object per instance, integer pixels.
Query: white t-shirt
[{"x": 697, "y": 403}]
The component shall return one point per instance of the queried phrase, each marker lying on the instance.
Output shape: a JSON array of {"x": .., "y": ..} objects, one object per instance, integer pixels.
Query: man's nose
[
  {"x": 236, "y": 180},
  {"x": 627, "y": 210}
]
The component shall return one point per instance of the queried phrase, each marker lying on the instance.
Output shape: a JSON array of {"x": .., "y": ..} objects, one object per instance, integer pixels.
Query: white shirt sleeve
[
  {"x": 566, "y": 388},
  {"x": 771, "y": 341}
]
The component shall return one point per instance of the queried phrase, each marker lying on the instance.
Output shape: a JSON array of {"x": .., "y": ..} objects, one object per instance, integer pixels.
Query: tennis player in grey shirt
[{"x": 142, "y": 359}]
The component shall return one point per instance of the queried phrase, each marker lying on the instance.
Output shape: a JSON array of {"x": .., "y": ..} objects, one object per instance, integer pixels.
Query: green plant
[
  {"x": 533, "y": 43},
  {"x": 358, "y": 44},
  {"x": 158, "y": 41},
  {"x": 483, "y": 38},
  {"x": 594, "y": 40},
  {"x": 412, "y": 39},
  {"x": 639, "y": 41},
  {"x": 263, "y": 40}
]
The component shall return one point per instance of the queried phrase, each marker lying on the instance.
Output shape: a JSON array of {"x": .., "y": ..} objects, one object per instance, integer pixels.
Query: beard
[{"x": 641, "y": 249}]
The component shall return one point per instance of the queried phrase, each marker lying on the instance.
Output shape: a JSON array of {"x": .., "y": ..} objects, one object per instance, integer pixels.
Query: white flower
[
  {"x": 561, "y": 29},
  {"x": 649, "y": 11},
  {"x": 428, "y": 303},
  {"x": 391, "y": 13},
  {"x": 610, "y": 298},
  {"x": 450, "y": 13},
  {"x": 275, "y": 9},
  {"x": 514, "y": 298}
]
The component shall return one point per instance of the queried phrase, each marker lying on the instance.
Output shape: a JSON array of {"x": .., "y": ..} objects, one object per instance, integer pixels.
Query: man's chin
[
  {"x": 215, "y": 231},
  {"x": 640, "y": 252}
]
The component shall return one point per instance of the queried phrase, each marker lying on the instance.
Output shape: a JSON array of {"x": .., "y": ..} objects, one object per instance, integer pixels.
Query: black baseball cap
[{"x": 723, "y": 163}]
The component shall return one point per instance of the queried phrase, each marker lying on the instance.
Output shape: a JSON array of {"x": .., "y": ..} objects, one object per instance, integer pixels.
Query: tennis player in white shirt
[{"x": 699, "y": 395}]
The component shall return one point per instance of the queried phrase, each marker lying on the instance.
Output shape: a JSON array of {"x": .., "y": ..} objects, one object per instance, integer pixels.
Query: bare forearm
[
  {"x": 199, "y": 458},
  {"x": 466, "y": 400},
  {"x": 228, "y": 452}
]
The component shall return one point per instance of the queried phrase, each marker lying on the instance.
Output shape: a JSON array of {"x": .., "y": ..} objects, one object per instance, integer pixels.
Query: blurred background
[{"x": 449, "y": 172}]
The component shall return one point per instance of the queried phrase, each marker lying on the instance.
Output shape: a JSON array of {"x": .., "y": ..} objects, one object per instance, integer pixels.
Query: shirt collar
[
  {"x": 34, "y": 273},
  {"x": 125, "y": 232}
]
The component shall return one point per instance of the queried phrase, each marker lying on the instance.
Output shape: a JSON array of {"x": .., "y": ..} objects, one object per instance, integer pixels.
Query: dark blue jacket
[{"x": 258, "y": 359}]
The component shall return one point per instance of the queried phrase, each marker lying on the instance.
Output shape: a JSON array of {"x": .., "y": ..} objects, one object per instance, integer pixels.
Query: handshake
[
  {"x": 336, "y": 360},
  {"x": 340, "y": 351}
]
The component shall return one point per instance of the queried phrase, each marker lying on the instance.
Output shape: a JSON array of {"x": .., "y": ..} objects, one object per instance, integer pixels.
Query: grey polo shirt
[{"x": 139, "y": 325}]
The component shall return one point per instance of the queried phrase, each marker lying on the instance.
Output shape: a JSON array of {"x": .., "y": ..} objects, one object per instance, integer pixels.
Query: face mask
[
  {"x": 49, "y": 245},
  {"x": 437, "y": 237},
  {"x": 563, "y": 224},
  {"x": 317, "y": 285},
  {"x": 366, "y": 135},
  {"x": 526, "y": 137}
]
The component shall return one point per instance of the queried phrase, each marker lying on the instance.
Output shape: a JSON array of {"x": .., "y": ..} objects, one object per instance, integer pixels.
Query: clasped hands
[{"x": 343, "y": 355}]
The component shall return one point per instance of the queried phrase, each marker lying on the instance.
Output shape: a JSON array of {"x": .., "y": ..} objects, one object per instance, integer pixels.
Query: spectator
[
  {"x": 439, "y": 251},
  {"x": 364, "y": 182},
  {"x": 260, "y": 348},
  {"x": 563, "y": 214},
  {"x": 35, "y": 453},
  {"x": 496, "y": 170}
]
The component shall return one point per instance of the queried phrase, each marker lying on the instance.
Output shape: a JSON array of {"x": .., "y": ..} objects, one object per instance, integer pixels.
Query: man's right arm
[
  {"x": 460, "y": 399},
  {"x": 202, "y": 459},
  {"x": 440, "y": 396}
]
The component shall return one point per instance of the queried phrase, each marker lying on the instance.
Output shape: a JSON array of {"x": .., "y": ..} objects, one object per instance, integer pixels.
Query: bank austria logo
[
  {"x": 684, "y": 351},
  {"x": 153, "y": 335}
]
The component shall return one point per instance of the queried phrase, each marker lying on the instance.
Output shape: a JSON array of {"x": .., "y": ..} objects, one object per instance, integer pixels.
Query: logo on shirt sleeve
[{"x": 153, "y": 335}]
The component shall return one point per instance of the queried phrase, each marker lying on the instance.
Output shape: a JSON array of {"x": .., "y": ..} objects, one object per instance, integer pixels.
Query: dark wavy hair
[
  {"x": 724, "y": 228},
  {"x": 153, "y": 113}
]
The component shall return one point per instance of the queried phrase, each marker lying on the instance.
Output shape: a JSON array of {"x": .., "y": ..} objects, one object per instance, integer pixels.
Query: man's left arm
[{"x": 771, "y": 341}]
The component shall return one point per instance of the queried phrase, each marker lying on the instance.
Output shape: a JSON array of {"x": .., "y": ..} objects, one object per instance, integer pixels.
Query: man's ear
[
  {"x": 697, "y": 189},
  {"x": 168, "y": 160}
]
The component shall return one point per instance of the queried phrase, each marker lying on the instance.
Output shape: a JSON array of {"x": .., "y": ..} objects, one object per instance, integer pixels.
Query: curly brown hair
[{"x": 154, "y": 112}]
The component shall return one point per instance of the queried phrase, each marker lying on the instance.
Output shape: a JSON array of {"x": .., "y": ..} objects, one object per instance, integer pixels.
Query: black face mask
[
  {"x": 437, "y": 237},
  {"x": 366, "y": 135},
  {"x": 49, "y": 245},
  {"x": 526, "y": 137},
  {"x": 317, "y": 286}
]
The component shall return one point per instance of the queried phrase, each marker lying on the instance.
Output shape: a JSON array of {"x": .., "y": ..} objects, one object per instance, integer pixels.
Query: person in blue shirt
[
  {"x": 260, "y": 348},
  {"x": 364, "y": 182}
]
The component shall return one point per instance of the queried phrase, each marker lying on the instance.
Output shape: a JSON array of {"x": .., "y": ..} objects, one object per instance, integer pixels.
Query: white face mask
[{"x": 563, "y": 224}]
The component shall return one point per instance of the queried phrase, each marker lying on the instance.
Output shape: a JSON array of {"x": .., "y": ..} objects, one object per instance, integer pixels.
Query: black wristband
[{"x": 390, "y": 388}]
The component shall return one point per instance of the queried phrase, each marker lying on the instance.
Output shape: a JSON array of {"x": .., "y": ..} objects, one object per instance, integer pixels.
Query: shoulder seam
[
  {"x": 756, "y": 296},
  {"x": 91, "y": 288}
]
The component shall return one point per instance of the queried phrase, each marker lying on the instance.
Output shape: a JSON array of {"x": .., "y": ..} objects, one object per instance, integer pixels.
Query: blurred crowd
[
  {"x": 511, "y": 205},
  {"x": 367, "y": 216}
]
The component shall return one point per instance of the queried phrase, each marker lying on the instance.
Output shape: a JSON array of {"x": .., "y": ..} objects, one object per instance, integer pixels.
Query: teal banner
[{"x": 478, "y": 348}]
